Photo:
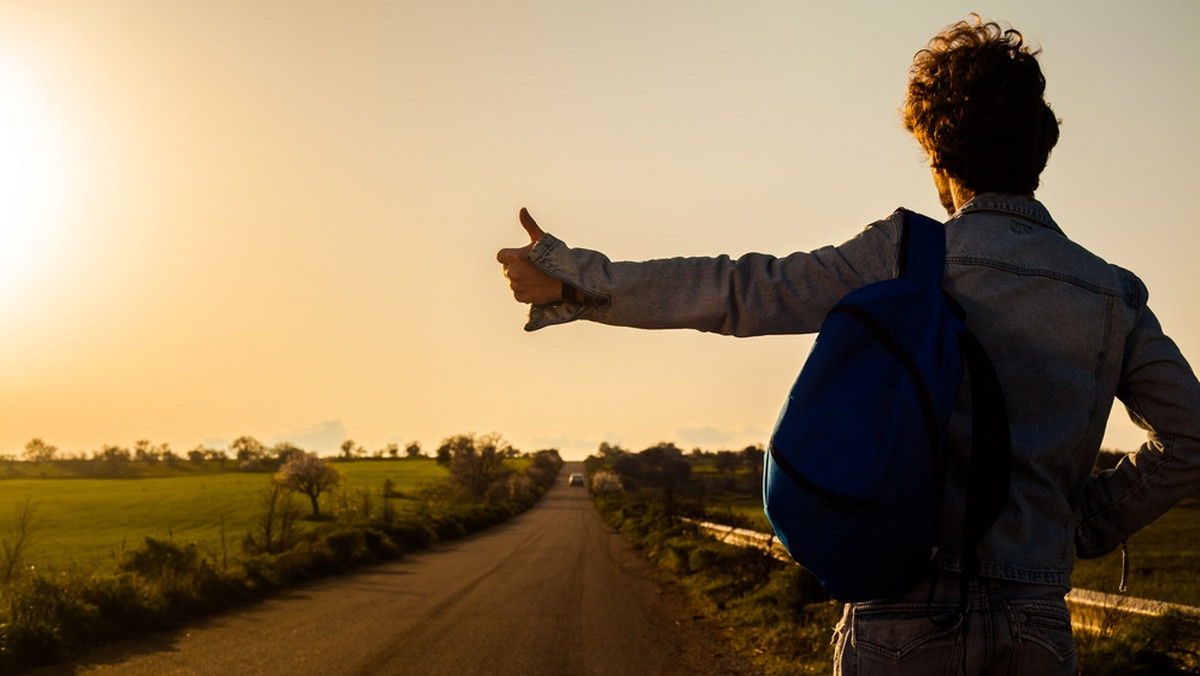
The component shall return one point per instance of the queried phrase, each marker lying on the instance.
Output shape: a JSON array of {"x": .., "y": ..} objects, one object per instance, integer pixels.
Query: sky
[{"x": 280, "y": 218}]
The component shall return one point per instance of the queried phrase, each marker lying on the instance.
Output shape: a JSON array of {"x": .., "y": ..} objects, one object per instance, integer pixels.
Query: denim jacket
[{"x": 1066, "y": 331}]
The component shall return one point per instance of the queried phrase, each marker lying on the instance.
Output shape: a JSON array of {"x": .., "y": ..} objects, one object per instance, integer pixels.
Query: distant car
[{"x": 575, "y": 480}]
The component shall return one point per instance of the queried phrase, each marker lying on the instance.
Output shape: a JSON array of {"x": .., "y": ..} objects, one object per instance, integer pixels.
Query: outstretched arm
[{"x": 755, "y": 294}]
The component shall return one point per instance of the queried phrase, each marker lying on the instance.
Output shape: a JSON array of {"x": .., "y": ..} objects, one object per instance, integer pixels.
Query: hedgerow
[{"x": 46, "y": 616}]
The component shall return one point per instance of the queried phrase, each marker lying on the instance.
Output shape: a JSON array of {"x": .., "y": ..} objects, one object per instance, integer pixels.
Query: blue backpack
[{"x": 857, "y": 463}]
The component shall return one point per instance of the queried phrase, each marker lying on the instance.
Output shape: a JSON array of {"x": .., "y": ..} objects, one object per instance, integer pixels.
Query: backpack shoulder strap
[
  {"x": 991, "y": 450},
  {"x": 923, "y": 258},
  {"x": 922, "y": 248}
]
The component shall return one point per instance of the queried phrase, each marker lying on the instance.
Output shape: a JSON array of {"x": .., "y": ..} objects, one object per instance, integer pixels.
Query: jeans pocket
[
  {"x": 1043, "y": 629},
  {"x": 906, "y": 635}
]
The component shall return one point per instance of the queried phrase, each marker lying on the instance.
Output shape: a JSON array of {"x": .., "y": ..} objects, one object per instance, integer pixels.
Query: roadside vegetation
[
  {"x": 211, "y": 539},
  {"x": 778, "y": 615}
]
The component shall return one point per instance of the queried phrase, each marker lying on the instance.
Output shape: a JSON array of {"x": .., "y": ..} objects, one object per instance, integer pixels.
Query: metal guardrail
[{"x": 1091, "y": 611}]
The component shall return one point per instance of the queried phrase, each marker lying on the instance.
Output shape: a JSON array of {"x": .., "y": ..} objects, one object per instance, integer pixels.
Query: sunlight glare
[{"x": 33, "y": 180}]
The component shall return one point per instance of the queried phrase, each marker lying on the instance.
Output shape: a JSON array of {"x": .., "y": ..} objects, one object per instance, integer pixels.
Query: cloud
[
  {"x": 218, "y": 443},
  {"x": 711, "y": 438},
  {"x": 325, "y": 437},
  {"x": 569, "y": 447}
]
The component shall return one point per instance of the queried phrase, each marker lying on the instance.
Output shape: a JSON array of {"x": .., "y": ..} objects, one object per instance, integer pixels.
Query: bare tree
[
  {"x": 273, "y": 530},
  {"x": 14, "y": 541}
]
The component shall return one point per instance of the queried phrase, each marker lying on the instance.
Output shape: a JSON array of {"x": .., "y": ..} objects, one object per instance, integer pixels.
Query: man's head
[{"x": 975, "y": 105}]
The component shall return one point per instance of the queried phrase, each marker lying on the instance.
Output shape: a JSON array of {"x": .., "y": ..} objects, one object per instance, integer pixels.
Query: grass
[
  {"x": 775, "y": 614},
  {"x": 133, "y": 470},
  {"x": 87, "y": 523}
]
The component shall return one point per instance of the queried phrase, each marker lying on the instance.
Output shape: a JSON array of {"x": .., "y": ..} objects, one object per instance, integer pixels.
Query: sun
[{"x": 34, "y": 177}]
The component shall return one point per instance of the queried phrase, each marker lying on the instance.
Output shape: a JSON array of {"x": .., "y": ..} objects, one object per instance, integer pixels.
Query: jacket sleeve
[
  {"x": 755, "y": 294},
  {"x": 1162, "y": 395}
]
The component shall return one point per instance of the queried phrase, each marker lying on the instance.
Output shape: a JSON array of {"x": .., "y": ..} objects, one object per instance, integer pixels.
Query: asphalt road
[{"x": 552, "y": 592}]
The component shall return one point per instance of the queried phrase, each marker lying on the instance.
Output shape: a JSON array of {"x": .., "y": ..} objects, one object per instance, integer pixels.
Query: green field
[{"x": 89, "y": 523}]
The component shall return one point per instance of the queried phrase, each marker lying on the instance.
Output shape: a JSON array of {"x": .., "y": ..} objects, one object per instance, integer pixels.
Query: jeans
[{"x": 1008, "y": 628}]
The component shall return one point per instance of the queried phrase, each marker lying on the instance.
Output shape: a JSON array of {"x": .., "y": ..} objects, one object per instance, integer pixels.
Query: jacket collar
[{"x": 1019, "y": 205}]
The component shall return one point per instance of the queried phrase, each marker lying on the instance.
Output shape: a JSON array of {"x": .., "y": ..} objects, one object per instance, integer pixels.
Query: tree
[
  {"x": 661, "y": 466},
  {"x": 475, "y": 463},
  {"x": 726, "y": 461},
  {"x": 217, "y": 455},
  {"x": 413, "y": 450},
  {"x": 753, "y": 457},
  {"x": 309, "y": 475},
  {"x": 610, "y": 451},
  {"x": 113, "y": 459},
  {"x": 197, "y": 455},
  {"x": 348, "y": 449},
  {"x": 285, "y": 451},
  {"x": 39, "y": 451},
  {"x": 144, "y": 451},
  {"x": 274, "y": 525},
  {"x": 247, "y": 448},
  {"x": 393, "y": 450}
]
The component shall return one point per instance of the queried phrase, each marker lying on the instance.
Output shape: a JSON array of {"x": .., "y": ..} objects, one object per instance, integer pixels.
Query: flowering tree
[
  {"x": 606, "y": 482},
  {"x": 307, "y": 474}
]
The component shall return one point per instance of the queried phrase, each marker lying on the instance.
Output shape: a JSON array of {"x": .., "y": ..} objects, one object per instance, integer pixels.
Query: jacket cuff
[{"x": 553, "y": 257}]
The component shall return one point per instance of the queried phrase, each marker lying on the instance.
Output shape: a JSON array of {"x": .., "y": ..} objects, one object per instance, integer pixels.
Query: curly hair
[{"x": 975, "y": 104}]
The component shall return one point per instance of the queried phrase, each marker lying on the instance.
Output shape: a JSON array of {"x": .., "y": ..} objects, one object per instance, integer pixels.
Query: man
[{"x": 1066, "y": 331}]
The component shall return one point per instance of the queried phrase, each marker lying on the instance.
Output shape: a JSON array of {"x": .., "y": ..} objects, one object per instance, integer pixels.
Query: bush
[
  {"x": 346, "y": 545},
  {"x": 410, "y": 534}
]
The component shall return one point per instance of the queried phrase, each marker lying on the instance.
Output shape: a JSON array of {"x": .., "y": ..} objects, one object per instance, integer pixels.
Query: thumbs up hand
[
  {"x": 531, "y": 227},
  {"x": 528, "y": 283}
]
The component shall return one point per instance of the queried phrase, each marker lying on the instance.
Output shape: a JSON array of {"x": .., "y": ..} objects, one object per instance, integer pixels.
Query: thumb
[{"x": 531, "y": 226}]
